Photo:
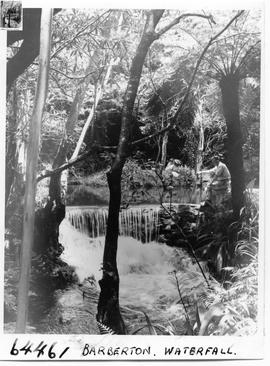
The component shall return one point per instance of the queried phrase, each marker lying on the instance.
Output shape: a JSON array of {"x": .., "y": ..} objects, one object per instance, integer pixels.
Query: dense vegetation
[{"x": 128, "y": 91}]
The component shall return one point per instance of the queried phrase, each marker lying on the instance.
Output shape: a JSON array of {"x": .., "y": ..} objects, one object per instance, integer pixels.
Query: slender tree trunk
[
  {"x": 55, "y": 181},
  {"x": 108, "y": 306},
  {"x": 32, "y": 160},
  {"x": 164, "y": 149},
  {"x": 199, "y": 153},
  {"x": 229, "y": 85},
  {"x": 199, "y": 157}
]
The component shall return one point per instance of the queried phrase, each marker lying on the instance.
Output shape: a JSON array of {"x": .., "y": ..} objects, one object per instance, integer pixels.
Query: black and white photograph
[
  {"x": 11, "y": 15},
  {"x": 133, "y": 182}
]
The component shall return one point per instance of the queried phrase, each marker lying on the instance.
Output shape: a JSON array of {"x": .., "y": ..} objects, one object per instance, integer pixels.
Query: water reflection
[{"x": 90, "y": 196}]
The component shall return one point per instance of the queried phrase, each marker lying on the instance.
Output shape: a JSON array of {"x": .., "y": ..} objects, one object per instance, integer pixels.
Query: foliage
[
  {"x": 79, "y": 34},
  {"x": 84, "y": 44},
  {"x": 230, "y": 251}
]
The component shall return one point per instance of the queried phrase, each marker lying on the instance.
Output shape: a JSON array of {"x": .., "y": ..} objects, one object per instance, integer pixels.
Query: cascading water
[
  {"x": 139, "y": 222},
  {"x": 145, "y": 280},
  {"x": 146, "y": 267}
]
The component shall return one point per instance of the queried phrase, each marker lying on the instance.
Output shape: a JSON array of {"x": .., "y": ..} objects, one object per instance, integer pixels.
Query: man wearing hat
[{"x": 219, "y": 185}]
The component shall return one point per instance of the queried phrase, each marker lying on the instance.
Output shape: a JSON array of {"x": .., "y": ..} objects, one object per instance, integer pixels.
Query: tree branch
[
  {"x": 177, "y": 20},
  {"x": 74, "y": 161},
  {"x": 30, "y": 46},
  {"x": 174, "y": 118},
  {"x": 65, "y": 166}
]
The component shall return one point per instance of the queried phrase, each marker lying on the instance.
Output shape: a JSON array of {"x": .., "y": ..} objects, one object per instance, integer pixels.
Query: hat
[{"x": 217, "y": 156}]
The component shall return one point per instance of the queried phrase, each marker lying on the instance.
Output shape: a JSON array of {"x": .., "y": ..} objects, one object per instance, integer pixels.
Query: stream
[{"x": 145, "y": 268}]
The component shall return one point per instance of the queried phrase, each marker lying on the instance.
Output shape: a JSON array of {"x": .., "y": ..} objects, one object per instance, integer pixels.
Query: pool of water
[{"x": 86, "y": 195}]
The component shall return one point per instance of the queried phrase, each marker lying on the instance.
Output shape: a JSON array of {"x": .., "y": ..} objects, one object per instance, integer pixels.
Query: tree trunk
[
  {"x": 29, "y": 49},
  {"x": 229, "y": 85},
  {"x": 164, "y": 149},
  {"x": 55, "y": 188},
  {"x": 32, "y": 160},
  {"x": 108, "y": 305},
  {"x": 199, "y": 157}
]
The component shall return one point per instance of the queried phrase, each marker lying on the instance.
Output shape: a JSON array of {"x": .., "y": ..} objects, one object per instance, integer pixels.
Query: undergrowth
[{"x": 225, "y": 303}]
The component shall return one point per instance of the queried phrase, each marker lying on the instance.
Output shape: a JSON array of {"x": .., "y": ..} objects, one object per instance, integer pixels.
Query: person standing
[{"x": 220, "y": 181}]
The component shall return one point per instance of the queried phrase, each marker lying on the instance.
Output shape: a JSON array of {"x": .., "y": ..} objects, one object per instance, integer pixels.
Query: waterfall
[
  {"x": 147, "y": 283},
  {"x": 139, "y": 222}
]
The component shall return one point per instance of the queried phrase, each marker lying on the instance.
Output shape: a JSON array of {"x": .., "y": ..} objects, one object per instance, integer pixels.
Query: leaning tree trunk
[{"x": 229, "y": 85}]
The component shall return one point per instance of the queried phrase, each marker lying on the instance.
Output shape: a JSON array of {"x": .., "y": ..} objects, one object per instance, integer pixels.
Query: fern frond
[{"x": 104, "y": 329}]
